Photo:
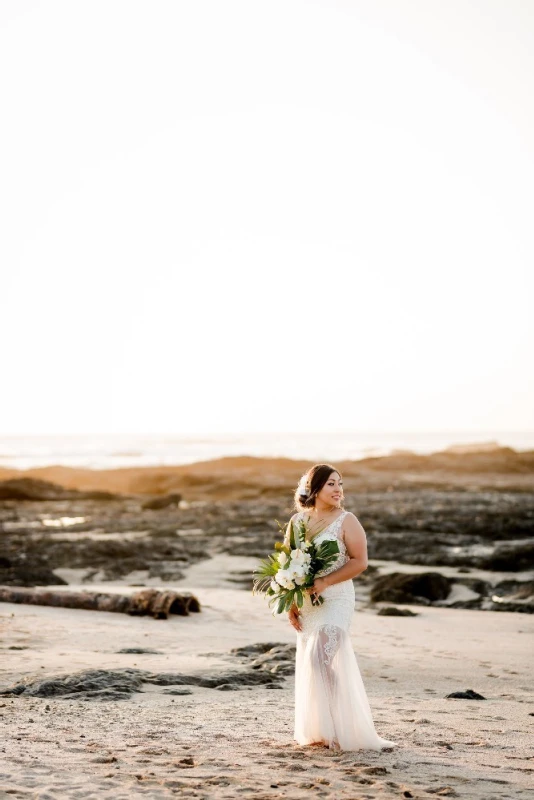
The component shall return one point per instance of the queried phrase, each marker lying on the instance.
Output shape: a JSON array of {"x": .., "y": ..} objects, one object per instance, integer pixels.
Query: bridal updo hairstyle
[{"x": 314, "y": 480}]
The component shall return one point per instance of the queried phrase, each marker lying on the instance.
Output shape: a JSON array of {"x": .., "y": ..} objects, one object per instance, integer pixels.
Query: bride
[{"x": 331, "y": 705}]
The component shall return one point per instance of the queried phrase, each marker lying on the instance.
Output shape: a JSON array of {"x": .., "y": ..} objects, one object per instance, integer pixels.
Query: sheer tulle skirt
[{"x": 331, "y": 703}]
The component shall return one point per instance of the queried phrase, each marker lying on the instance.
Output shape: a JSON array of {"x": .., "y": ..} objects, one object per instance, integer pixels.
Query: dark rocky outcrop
[
  {"x": 469, "y": 694},
  {"x": 510, "y": 557},
  {"x": 422, "y": 588},
  {"x": 33, "y": 489},
  {"x": 15, "y": 570},
  {"x": 162, "y": 555},
  {"x": 94, "y": 684},
  {"x": 157, "y": 503},
  {"x": 36, "y": 489},
  {"x": 273, "y": 657},
  {"x": 514, "y": 590},
  {"x": 509, "y": 595},
  {"x": 393, "y": 611},
  {"x": 120, "y": 684},
  {"x": 512, "y": 595},
  {"x": 253, "y": 650}
]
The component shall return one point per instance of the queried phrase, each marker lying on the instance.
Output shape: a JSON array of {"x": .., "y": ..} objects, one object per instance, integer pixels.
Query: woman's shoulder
[
  {"x": 351, "y": 523},
  {"x": 350, "y": 518}
]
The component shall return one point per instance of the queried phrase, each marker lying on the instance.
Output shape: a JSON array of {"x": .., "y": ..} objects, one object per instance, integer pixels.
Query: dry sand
[{"x": 215, "y": 744}]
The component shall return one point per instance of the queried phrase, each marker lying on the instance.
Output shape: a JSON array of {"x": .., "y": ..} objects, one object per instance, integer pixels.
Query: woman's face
[{"x": 332, "y": 492}]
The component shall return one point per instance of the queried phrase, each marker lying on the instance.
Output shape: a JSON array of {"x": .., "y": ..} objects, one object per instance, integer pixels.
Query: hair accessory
[{"x": 302, "y": 485}]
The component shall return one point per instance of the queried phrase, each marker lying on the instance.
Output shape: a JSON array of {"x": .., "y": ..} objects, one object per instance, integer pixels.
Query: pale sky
[{"x": 273, "y": 215}]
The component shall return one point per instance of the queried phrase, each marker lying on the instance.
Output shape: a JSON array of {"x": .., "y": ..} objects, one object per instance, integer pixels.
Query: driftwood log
[{"x": 148, "y": 602}]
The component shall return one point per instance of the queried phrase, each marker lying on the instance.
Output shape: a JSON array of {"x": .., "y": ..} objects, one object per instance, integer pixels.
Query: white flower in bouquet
[
  {"x": 298, "y": 556},
  {"x": 298, "y": 572},
  {"x": 291, "y": 568},
  {"x": 283, "y": 577}
]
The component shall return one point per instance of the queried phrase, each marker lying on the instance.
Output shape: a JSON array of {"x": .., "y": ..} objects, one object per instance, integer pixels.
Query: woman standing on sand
[{"x": 331, "y": 705}]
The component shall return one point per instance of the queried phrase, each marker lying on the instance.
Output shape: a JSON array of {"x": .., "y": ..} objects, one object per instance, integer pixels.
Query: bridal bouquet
[{"x": 292, "y": 568}]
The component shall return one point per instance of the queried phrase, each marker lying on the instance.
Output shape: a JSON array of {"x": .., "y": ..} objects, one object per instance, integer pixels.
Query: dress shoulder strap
[{"x": 338, "y": 525}]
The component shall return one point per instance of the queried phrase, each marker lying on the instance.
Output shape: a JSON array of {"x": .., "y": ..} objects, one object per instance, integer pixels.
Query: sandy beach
[
  {"x": 239, "y": 743},
  {"x": 208, "y": 713}
]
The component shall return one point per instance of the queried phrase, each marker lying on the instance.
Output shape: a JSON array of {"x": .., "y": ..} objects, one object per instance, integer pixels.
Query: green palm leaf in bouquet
[{"x": 285, "y": 574}]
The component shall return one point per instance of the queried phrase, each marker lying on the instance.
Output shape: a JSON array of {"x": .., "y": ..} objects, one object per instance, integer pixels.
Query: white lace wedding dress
[{"x": 331, "y": 704}]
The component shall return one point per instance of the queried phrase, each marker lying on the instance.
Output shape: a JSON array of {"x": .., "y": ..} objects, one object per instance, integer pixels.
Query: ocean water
[{"x": 112, "y": 451}]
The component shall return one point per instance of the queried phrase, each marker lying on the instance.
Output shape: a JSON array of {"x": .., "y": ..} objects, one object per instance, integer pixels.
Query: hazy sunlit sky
[{"x": 273, "y": 215}]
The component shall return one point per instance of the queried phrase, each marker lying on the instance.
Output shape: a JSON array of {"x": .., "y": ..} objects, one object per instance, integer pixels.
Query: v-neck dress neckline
[{"x": 343, "y": 513}]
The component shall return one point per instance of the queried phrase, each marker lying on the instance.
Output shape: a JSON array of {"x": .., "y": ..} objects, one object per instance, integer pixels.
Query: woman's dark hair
[{"x": 316, "y": 477}]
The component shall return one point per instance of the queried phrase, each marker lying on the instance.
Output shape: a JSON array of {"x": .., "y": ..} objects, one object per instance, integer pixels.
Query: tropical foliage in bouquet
[{"x": 285, "y": 575}]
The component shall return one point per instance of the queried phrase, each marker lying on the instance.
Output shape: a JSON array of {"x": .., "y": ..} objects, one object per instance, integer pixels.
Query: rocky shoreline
[{"x": 472, "y": 525}]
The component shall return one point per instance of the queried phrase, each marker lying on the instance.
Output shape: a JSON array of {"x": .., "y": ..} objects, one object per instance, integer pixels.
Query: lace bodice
[
  {"x": 332, "y": 532},
  {"x": 338, "y": 607}
]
